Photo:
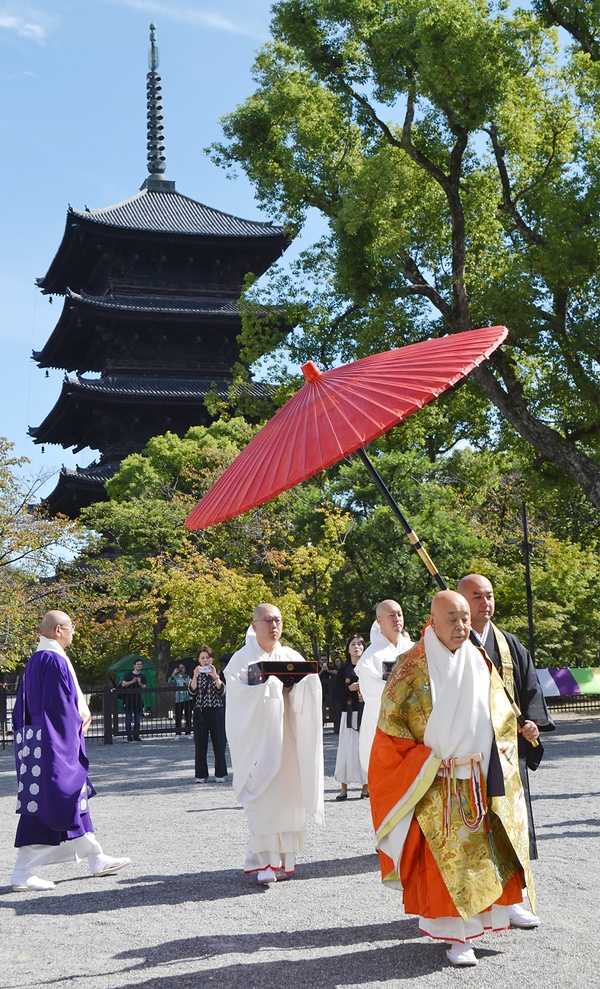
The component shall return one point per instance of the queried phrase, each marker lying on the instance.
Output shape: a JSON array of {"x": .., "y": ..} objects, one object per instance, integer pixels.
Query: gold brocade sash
[
  {"x": 506, "y": 663},
  {"x": 511, "y": 808},
  {"x": 477, "y": 865}
]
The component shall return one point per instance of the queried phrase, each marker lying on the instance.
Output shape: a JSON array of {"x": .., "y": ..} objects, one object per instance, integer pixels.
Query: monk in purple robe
[{"x": 50, "y": 719}]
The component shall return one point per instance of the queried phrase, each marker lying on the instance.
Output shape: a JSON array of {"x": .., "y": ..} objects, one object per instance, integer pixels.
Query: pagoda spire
[{"x": 156, "y": 135}]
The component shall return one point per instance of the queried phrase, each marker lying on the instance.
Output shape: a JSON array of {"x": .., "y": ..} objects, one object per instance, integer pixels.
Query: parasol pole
[
  {"x": 393, "y": 504},
  {"x": 420, "y": 549}
]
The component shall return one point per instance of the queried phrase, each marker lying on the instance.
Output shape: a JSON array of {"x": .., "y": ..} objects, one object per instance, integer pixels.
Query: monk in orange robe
[{"x": 446, "y": 796}]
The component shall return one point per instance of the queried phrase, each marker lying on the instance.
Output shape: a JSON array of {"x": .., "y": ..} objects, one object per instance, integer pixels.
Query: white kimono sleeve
[
  {"x": 254, "y": 724},
  {"x": 306, "y": 718}
]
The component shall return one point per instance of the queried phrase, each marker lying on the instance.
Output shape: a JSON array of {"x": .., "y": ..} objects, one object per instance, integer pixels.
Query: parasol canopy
[{"x": 337, "y": 412}]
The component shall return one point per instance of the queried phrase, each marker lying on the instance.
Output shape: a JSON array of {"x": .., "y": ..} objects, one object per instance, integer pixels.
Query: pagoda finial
[
  {"x": 156, "y": 134},
  {"x": 153, "y": 54}
]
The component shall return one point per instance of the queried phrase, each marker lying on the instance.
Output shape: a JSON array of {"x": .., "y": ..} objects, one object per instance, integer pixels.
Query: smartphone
[{"x": 205, "y": 669}]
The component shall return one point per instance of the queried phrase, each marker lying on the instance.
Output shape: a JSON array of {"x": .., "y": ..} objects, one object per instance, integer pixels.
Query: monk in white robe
[
  {"x": 275, "y": 736},
  {"x": 388, "y": 640}
]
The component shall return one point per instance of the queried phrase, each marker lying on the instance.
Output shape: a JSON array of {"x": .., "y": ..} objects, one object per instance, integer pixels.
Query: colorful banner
[{"x": 568, "y": 682}]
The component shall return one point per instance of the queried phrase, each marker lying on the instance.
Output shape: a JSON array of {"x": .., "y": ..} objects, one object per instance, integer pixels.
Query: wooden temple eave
[
  {"x": 76, "y": 489},
  {"x": 94, "y": 333},
  {"x": 91, "y": 242},
  {"x": 93, "y": 412},
  {"x": 71, "y": 494}
]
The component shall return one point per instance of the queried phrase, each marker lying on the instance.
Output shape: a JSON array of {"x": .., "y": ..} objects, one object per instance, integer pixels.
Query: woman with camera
[{"x": 208, "y": 695}]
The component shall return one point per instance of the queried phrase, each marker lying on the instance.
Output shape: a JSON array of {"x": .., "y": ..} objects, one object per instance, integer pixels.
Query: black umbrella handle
[
  {"x": 416, "y": 544},
  {"x": 412, "y": 536}
]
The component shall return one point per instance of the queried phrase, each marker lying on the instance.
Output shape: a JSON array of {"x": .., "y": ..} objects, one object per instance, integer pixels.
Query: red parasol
[{"x": 338, "y": 412}]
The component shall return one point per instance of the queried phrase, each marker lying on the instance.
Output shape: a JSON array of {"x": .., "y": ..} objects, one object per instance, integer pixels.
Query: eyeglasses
[
  {"x": 271, "y": 620},
  {"x": 69, "y": 628}
]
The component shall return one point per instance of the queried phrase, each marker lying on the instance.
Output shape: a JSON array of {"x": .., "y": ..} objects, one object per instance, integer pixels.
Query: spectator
[
  {"x": 347, "y": 766},
  {"x": 208, "y": 692},
  {"x": 132, "y": 684},
  {"x": 183, "y": 706}
]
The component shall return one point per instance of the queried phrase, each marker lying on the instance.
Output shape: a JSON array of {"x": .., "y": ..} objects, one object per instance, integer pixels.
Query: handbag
[{"x": 28, "y": 759}]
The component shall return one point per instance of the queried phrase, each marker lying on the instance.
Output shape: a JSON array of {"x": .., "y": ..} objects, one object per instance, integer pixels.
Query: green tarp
[{"x": 125, "y": 664}]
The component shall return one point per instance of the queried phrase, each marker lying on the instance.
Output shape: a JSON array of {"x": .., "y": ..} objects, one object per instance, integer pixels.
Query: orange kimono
[{"x": 459, "y": 873}]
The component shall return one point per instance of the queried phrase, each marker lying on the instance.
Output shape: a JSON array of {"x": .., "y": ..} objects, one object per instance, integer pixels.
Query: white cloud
[
  {"x": 24, "y": 27},
  {"x": 188, "y": 15}
]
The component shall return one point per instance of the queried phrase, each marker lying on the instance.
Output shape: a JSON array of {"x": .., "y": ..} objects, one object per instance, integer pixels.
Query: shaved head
[
  {"x": 390, "y": 618},
  {"x": 267, "y": 624},
  {"x": 51, "y": 619},
  {"x": 450, "y": 619},
  {"x": 479, "y": 594}
]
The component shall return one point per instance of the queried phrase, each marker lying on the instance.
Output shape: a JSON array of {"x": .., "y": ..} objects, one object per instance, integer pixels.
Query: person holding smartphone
[
  {"x": 134, "y": 681},
  {"x": 208, "y": 695}
]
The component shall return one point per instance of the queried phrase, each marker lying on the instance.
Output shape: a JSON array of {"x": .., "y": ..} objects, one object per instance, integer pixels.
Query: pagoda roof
[
  {"x": 73, "y": 343},
  {"x": 93, "y": 475},
  {"x": 138, "y": 387},
  {"x": 93, "y": 333},
  {"x": 76, "y": 489},
  {"x": 74, "y": 420},
  {"x": 170, "y": 212},
  {"x": 161, "y": 305},
  {"x": 152, "y": 214},
  {"x": 143, "y": 387}
]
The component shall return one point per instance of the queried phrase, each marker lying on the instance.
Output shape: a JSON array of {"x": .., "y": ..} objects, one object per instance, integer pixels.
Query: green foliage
[
  {"x": 327, "y": 551},
  {"x": 453, "y": 149},
  {"x": 188, "y": 587},
  {"x": 113, "y": 602},
  {"x": 31, "y": 545}
]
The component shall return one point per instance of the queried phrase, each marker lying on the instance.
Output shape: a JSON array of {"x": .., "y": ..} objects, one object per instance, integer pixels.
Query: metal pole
[
  {"x": 107, "y": 705},
  {"x": 412, "y": 536},
  {"x": 526, "y": 548}
]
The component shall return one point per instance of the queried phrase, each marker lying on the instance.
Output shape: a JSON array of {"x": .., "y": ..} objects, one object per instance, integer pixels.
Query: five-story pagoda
[{"x": 150, "y": 290}]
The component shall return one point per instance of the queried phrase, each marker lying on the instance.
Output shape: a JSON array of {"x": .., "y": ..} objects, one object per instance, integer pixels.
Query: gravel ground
[{"x": 184, "y": 915}]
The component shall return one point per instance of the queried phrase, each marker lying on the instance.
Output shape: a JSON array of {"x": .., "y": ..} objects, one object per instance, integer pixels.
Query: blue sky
[{"x": 73, "y": 119}]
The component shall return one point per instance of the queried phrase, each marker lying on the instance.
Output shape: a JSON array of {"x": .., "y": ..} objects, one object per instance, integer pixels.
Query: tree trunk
[
  {"x": 548, "y": 443},
  {"x": 162, "y": 658}
]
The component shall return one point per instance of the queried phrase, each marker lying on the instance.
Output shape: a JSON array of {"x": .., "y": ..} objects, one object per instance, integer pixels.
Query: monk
[
  {"x": 50, "y": 719},
  {"x": 446, "y": 795},
  {"x": 275, "y": 736}
]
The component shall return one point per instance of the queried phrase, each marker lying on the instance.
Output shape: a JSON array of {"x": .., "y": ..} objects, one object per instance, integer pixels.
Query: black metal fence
[
  {"x": 108, "y": 713},
  {"x": 575, "y": 703},
  {"x": 158, "y": 713}
]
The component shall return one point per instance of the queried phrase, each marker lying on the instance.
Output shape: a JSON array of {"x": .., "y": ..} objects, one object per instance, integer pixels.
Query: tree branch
[
  {"x": 588, "y": 41},
  {"x": 509, "y": 204},
  {"x": 552, "y": 446},
  {"x": 420, "y": 286}
]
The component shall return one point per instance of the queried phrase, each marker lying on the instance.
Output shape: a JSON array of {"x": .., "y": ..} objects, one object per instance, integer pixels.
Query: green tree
[
  {"x": 31, "y": 547},
  {"x": 467, "y": 510},
  {"x": 328, "y": 551},
  {"x": 453, "y": 148},
  {"x": 166, "y": 588}
]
